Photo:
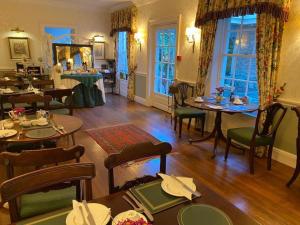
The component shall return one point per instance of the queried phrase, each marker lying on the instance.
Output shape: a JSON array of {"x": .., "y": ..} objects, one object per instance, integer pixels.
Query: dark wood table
[
  {"x": 169, "y": 217},
  {"x": 71, "y": 125},
  {"x": 227, "y": 107}
]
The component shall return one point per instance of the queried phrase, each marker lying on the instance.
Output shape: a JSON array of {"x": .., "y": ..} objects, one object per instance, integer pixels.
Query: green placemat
[
  {"x": 152, "y": 196},
  {"x": 55, "y": 219},
  {"x": 40, "y": 133},
  {"x": 202, "y": 215}
]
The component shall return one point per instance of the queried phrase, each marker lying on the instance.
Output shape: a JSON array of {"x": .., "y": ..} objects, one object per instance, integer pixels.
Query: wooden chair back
[
  {"x": 39, "y": 158},
  {"x": 132, "y": 153},
  {"x": 42, "y": 84},
  {"x": 12, "y": 189},
  {"x": 31, "y": 99},
  {"x": 11, "y": 83},
  {"x": 59, "y": 95},
  {"x": 274, "y": 115},
  {"x": 181, "y": 92}
]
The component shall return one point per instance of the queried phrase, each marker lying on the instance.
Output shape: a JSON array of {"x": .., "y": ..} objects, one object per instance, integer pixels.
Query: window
[
  {"x": 238, "y": 67},
  {"x": 164, "y": 60},
  {"x": 59, "y": 31},
  {"x": 122, "y": 66}
]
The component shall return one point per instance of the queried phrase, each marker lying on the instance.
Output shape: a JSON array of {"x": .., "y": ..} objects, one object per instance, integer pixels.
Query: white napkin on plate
[
  {"x": 78, "y": 213},
  {"x": 199, "y": 99},
  {"x": 176, "y": 186}
]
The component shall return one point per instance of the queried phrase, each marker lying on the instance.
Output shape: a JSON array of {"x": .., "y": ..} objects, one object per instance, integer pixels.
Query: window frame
[
  {"x": 222, "y": 53},
  {"x": 123, "y": 52}
]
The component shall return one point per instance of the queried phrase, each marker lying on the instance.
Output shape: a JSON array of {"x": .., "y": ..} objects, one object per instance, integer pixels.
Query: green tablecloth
[
  {"x": 87, "y": 79},
  {"x": 86, "y": 94}
]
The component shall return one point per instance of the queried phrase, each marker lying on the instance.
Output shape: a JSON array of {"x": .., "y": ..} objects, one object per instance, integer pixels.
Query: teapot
[{"x": 15, "y": 113}]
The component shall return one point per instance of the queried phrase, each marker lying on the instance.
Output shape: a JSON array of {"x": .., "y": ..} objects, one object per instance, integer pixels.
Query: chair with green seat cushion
[
  {"x": 52, "y": 103},
  {"x": 63, "y": 99},
  {"x": 180, "y": 92},
  {"x": 43, "y": 202},
  {"x": 260, "y": 135},
  {"x": 12, "y": 190}
]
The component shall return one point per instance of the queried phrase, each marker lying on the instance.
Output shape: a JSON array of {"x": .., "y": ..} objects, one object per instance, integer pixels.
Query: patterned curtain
[
  {"x": 131, "y": 59},
  {"x": 126, "y": 20},
  {"x": 269, "y": 38},
  {"x": 219, "y": 9},
  {"x": 208, "y": 34}
]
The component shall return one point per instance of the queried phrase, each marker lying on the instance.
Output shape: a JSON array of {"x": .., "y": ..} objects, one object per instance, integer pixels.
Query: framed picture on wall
[
  {"x": 19, "y": 48},
  {"x": 99, "y": 51}
]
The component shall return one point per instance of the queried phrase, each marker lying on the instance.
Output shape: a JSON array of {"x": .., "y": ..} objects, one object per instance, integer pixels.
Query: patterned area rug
[{"x": 114, "y": 139}]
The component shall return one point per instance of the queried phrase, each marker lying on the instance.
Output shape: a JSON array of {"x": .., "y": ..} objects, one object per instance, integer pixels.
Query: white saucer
[
  {"x": 175, "y": 190},
  {"x": 96, "y": 210},
  {"x": 130, "y": 214}
]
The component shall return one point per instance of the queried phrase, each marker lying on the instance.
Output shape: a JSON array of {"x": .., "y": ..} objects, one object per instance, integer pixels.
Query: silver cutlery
[
  {"x": 195, "y": 193},
  {"x": 20, "y": 133},
  {"x": 138, "y": 209},
  {"x": 89, "y": 214},
  {"x": 140, "y": 205}
]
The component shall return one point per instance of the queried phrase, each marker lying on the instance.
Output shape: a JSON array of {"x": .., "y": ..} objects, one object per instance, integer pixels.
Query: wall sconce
[
  {"x": 192, "y": 33},
  {"x": 138, "y": 37},
  {"x": 17, "y": 29},
  {"x": 98, "y": 39}
]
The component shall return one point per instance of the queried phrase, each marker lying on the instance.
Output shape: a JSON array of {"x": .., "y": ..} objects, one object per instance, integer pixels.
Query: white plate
[
  {"x": 174, "y": 190},
  {"x": 43, "y": 123},
  {"x": 96, "y": 211},
  {"x": 8, "y": 91},
  {"x": 130, "y": 214},
  {"x": 7, "y": 133}
]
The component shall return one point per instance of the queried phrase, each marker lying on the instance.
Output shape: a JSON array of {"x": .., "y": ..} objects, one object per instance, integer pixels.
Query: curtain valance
[
  {"x": 219, "y": 9},
  {"x": 124, "y": 20}
]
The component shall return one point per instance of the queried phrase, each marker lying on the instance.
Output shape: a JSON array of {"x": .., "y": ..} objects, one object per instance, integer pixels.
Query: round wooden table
[
  {"x": 71, "y": 124},
  {"x": 209, "y": 104}
]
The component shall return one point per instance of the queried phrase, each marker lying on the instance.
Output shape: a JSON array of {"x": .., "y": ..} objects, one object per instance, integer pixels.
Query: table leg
[{"x": 216, "y": 133}]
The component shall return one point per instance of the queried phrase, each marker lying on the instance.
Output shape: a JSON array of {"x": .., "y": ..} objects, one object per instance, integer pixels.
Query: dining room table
[
  {"x": 224, "y": 106},
  {"x": 59, "y": 126},
  {"x": 170, "y": 216}
]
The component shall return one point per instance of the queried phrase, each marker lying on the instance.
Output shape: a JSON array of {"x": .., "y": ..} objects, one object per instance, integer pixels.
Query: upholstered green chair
[
  {"x": 181, "y": 92},
  {"x": 254, "y": 137},
  {"x": 18, "y": 192}
]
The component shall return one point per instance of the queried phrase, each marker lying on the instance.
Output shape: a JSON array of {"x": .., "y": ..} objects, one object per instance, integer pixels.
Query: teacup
[
  {"x": 8, "y": 124},
  {"x": 42, "y": 114},
  {"x": 25, "y": 123},
  {"x": 15, "y": 113}
]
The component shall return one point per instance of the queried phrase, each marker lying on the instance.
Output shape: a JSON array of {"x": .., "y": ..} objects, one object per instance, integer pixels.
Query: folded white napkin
[
  {"x": 78, "y": 213},
  {"x": 177, "y": 187},
  {"x": 199, "y": 99}
]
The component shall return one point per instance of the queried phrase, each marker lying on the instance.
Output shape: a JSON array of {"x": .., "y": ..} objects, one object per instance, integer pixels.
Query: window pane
[
  {"x": 165, "y": 70},
  {"x": 240, "y": 88},
  {"x": 242, "y": 68},
  {"x": 228, "y": 83},
  {"x": 235, "y": 23},
  {"x": 160, "y": 37},
  {"x": 122, "y": 53},
  {"x": 166, "y": 39},
  {"x": 232, "y": 43},
  {"x": 157, "y": 85},
  {"x": 172, "y": 55},
  {"x": 171, "y": 72},
  {"x": 164, "y": 87},
  {"x": 253, "y": 73},
  {"x": 249, "y": 22},
  {"x": 228, "y": 66},
  {"x": 158, "y": 70},
  {"x": 253, "y": 92},
  {"x": 165, "y": 56},
  {"x": 173, "y": 38},
  {"x": 248, "y": 42}
]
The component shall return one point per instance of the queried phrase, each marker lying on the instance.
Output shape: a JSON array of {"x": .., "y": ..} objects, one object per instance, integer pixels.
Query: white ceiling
[{"x": 95, "y": 4}]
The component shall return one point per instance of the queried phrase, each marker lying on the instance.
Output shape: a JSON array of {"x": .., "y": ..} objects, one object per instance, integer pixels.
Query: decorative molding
[
  {"x": 142, "y": 101},
  {"x": 284, "y": 157},
  {"x": 289, "y": 102}
]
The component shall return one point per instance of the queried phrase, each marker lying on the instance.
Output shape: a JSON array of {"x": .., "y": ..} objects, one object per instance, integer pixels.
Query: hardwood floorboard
[{"x": 263, "y": 196}]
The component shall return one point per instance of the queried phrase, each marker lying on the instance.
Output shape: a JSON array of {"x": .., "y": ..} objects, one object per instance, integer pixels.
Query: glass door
[{"x": 165, "y": 56}]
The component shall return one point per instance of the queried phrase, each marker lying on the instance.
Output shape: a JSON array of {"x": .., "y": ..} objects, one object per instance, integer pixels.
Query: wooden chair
[
  {"x": 297, "y": 169},
  {"x": 255, "y": 137},
  {"x": 58, "y": 105},
  {"x": 11, "y": 83},
  {"x": 42, "y": 84},
  {"x": 181, "y": 92},
  {"x": 39, "y": 158},
  {"x": 132, "y": 153},
  {"x": 31, "y": 99},
  {"x": 20, "y": 189}
]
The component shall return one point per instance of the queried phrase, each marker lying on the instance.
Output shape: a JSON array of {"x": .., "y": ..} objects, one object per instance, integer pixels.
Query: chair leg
[
  {"x": 203, "y": 125},
  {"x": 175, "y": 123},
  {"x": 295, "y": 175},
  {"x": 73, "y": 139},
  {"x": 180, "y": 127},
  {"x": 270, "y": 152},
  {"x": 189, "y": 124},
  {"x": 228, "y": 144},
  {"x": 251, "y": 159}
]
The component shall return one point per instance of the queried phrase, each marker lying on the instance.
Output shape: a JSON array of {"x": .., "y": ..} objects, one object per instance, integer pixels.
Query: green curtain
[{"x": 208, "y": 34}]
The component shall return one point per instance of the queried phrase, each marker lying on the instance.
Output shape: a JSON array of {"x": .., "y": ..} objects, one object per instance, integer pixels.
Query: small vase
[{"x": 218, "y": 99}]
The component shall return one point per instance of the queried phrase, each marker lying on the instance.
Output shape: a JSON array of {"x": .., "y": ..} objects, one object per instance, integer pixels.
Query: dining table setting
[{"x": 166, "y": 201}]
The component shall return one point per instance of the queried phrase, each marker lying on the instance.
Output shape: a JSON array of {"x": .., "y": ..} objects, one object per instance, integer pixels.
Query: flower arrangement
[
  {"x": 279, "y": 91},
  {"x": 131, "y": 222},
  {"x": 220, "y": 91}
]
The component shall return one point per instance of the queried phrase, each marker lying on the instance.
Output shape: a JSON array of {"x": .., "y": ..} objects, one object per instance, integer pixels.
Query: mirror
[{"x": 74, "y": 54}]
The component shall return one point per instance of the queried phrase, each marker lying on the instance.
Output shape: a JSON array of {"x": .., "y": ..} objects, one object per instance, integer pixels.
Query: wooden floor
[{"x": 263, "y": 196}]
